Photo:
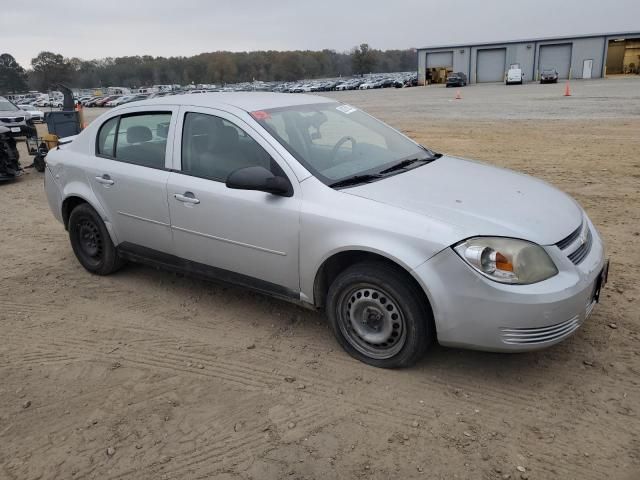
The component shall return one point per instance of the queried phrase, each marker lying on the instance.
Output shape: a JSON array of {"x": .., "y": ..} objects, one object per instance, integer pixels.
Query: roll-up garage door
[
  {"x": 490, "y": 65},
  {"x": 440, "y": 60},
  {"x": 556, "y": 56}
]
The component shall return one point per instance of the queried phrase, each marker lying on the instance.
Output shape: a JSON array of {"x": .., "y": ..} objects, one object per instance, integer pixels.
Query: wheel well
[
  {"x": 67, "y": 207},
  {"x": 332, "y": 267}
]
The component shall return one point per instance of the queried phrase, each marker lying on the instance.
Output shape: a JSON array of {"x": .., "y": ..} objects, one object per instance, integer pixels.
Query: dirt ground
[{"x": 149, "y": 375}]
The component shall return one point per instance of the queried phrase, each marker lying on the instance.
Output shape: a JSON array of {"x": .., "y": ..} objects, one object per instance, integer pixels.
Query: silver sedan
[
  {"x": 35, "y": 113},
  {"x": 317, "y": 202}
]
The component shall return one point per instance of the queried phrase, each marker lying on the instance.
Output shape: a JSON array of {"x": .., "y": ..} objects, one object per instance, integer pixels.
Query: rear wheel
[
  {"x": 378, "y": 316},
  {"x": 91, "y": 242}
]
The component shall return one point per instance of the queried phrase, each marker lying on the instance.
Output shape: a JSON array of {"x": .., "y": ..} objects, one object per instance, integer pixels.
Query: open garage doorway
[
  {"x": 439, "y": 65},
  {"x": 623, "y": 56}
]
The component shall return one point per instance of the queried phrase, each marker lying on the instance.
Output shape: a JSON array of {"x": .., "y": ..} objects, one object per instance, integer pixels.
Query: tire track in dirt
[
  {"x": 233, "y": 374},
  {"x": 234, "y": 448},
  {"x": 245, "y": 375}
]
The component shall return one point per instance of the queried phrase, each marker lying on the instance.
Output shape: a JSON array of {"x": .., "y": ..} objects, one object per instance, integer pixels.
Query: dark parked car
[
  {"x": 457, "y": 79},
  {"x": 549, "y": 75},
  {"x": 103, "y": 100},
  {"x": 92, "y": 102}
]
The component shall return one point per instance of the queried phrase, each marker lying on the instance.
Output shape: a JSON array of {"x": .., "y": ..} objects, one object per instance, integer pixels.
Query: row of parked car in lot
[{"x": 397, "y": 80}]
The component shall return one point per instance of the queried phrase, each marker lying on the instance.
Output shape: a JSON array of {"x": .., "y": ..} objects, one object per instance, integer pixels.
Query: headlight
[{"x": 507, "y": 260}]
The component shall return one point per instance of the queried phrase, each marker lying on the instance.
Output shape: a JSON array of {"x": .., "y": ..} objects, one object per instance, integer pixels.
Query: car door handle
[
  {"x": 186, "y": 197},
  {"x": 104, "y": 180}
]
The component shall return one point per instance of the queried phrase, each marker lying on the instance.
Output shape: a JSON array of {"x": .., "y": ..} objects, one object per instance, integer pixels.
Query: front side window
[
  {"x": 213, "y": 147},
  {"x": 140, "y": 139},
  {"x": 336, "y": 141}
]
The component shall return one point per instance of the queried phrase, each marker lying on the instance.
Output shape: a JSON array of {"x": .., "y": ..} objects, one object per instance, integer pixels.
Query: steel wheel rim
[
  {"x": 90, "y": 240},
  {"x": 372, "y": 321}
]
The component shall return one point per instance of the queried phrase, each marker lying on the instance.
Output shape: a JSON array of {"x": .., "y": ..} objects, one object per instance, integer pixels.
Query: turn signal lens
[
  {"x": 507, "y": 260},
  {"x": 502, "y": 263}
]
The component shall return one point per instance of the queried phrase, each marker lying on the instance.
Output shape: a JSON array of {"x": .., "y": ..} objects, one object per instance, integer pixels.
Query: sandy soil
[{"x": 149, "y": 375}]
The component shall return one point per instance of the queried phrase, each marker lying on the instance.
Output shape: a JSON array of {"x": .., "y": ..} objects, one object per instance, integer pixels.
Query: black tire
[
  {"x": 39, "y": 163},
  {"x": 91, "y": 242},
  {"x": 393, "y": 327}
]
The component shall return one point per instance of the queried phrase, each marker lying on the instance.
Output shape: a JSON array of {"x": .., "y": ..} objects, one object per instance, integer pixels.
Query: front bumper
[
  {"x": 472, "y": 311},
  {"x": 20, "y": 130}
]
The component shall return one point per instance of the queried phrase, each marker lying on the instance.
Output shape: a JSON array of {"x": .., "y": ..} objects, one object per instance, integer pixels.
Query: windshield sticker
[
  {"x": 261, "y": 115},
  {"x": 346, "y": 109}
]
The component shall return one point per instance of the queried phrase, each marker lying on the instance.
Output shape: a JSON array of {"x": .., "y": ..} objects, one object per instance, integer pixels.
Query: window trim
[
  {"x": 115, "y": 141},
  {"x": 97, "y": 146}
]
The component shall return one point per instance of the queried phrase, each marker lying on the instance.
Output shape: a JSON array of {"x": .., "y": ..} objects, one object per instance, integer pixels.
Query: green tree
[
  {"x": 49, "y": 69},
  {"x": 363, "y": 59},
  {"x": 13, "y": 78}
]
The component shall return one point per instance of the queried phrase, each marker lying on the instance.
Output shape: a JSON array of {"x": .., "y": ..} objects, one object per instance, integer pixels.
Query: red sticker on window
[{"x": 260, "y": 115}]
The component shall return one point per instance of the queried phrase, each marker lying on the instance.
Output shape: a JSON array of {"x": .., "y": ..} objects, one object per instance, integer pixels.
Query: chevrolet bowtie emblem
[{"x": 583, "y": 239}]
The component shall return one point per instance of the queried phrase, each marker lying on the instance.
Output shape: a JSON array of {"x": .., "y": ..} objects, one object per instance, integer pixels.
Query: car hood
[
  {"x": 478, "y": 199},
  {"x": 12, "y": 113}
]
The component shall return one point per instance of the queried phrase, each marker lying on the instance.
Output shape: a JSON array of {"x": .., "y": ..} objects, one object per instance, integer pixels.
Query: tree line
[{"x": 49, "y": 68}]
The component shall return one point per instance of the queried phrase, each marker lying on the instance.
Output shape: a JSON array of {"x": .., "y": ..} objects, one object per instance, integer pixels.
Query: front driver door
[{"x": 248, "y": 236}]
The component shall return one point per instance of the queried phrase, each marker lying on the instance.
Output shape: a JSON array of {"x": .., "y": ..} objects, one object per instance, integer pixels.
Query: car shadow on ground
[{"x": 311, "y": 325}]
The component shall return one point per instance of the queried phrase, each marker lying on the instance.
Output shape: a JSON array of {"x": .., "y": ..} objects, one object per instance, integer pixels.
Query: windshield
[
  {"x": 7, "y": 106},
  {"x": 336, "y": 141}
]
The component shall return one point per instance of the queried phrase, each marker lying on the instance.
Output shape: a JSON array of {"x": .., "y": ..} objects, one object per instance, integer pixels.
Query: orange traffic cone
[
  {"x": 567, "y": 90},
  {"x": 458, "y": 95}
]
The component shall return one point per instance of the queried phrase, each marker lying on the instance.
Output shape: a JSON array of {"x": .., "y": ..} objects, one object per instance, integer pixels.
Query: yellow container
[{"x": 50, "y": 140}]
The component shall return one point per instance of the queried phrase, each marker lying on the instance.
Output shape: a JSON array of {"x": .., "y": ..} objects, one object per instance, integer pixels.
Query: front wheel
[
  {"x": 378, "y": 316},
  {"x": 91, "y": 242}
]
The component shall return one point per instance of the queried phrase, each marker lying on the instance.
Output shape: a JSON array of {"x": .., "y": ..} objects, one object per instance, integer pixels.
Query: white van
[{"x": 514, "y": 74}]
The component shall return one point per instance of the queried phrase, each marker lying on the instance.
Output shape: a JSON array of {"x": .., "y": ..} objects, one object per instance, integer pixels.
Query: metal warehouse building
[{"x": 587, "y": 56}]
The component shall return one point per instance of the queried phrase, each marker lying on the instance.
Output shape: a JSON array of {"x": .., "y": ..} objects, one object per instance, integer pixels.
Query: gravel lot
[{"x": 149, "y": 375}]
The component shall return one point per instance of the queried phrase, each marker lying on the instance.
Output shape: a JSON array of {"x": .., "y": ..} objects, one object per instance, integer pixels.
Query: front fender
[{"x": 332, "y": 222}]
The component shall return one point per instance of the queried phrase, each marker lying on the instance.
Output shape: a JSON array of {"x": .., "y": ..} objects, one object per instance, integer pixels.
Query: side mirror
[{"x": 260, "y": 179}]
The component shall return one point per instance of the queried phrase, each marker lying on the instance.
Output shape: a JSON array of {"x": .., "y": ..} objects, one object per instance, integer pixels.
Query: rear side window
[{"x": 140, "y": 139}]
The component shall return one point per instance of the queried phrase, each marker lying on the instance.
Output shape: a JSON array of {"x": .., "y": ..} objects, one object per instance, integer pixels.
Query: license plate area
[
  {"x": 600, "y": 282},
  {"x": 15, "y": 129}
]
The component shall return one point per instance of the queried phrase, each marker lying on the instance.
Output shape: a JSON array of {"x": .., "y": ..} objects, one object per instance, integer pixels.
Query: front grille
[
  {"x": 578, "y": 244},
  {"x": 12, "y": 119},
  {"x": 531, "y": 336},
  {"x": 565, "y": 242},
  {"x": 579, "y": 253}
]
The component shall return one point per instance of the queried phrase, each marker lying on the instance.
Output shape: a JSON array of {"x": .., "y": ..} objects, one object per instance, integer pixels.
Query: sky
[{"x": 90, "y": 29}]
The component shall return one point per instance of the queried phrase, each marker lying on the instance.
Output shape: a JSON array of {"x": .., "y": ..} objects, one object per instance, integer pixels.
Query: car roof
[{"x": 247, "y": 101}]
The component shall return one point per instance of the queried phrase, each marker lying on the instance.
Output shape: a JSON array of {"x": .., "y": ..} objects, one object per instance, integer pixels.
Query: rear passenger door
[
  {"x": 129, "y": 174},
  {"x": 249, "y": 233}
]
